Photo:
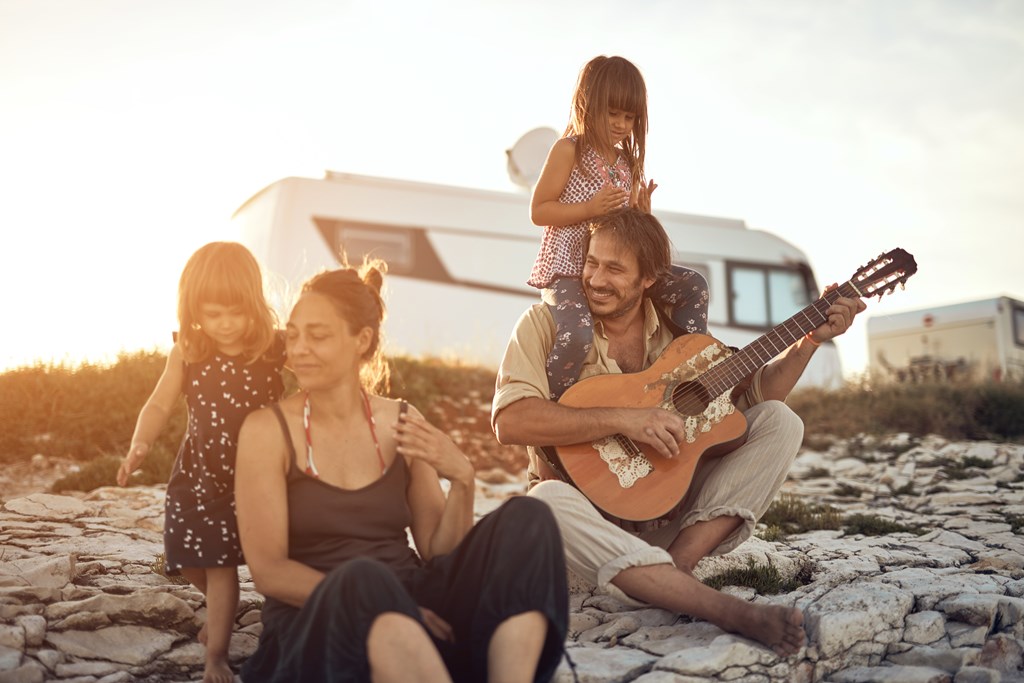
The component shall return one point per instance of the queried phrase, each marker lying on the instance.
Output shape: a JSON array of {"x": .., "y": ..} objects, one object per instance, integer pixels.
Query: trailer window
[
  {"x": 1018, "y": 325},
  {"x": 764, "y": 296},
  {"x": 395, "y": 248}
]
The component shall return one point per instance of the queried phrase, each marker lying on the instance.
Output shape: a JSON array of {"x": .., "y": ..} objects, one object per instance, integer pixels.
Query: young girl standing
[
  {"x": 596, "y": 167},
  {"x": 227, "y": 362}
]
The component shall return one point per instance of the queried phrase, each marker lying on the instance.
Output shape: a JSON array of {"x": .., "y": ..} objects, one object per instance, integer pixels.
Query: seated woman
[{"x": 327, "y": 483}]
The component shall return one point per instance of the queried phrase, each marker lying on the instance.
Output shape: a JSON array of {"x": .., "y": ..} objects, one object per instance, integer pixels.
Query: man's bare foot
[
  {"x": 217, "y": 670},
  {"x": 779, "y": 627},
  {"x": 202, "y": 636}
]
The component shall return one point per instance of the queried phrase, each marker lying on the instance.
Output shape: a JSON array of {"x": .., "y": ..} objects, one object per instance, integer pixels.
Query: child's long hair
[
  {"x": 608, "y": 83},
  {"x": 356, "y": 295},
  {"x": 224, "y": 273}
]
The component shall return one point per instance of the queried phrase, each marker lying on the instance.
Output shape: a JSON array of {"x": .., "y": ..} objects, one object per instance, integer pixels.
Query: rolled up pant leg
[
  {"x": 744, "y": 482},
  {"x": 595, "y": 549}
]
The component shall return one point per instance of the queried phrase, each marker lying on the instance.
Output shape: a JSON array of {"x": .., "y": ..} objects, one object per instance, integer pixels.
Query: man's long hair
[{"x": 641, "y": 233}]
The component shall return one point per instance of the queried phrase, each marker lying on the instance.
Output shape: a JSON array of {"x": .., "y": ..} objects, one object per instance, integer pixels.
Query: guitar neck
[{"x": 730, "y": 372}]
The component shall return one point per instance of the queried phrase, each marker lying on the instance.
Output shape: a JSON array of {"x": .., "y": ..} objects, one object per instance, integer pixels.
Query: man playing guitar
[{"x": 626, "y": 252}]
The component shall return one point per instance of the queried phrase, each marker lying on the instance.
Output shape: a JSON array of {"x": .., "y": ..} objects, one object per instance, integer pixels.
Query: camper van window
[
  {"x": 787, "y": 292},
  {"x": 394, "y": 247},
  {"x": 763, "y": 296},
  {"x": 1018, "y": 324},
  {"x": 749, "y": 297}
]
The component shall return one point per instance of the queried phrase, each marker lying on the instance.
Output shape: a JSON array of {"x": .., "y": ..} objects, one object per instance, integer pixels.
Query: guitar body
[{"x": 641, "y": 485}]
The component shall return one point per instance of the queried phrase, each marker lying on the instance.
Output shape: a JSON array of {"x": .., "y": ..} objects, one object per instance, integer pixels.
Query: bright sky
[{"x": 129, "y": 132}]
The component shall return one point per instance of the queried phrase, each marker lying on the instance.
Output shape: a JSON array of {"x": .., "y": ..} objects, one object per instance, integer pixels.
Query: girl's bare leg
[
  {"x": 220, "y": 586},
  {"x": 197, "y": 577}
]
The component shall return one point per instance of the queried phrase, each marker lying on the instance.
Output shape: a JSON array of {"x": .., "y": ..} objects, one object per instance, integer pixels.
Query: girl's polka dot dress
[{"x": 200, "y": 529}]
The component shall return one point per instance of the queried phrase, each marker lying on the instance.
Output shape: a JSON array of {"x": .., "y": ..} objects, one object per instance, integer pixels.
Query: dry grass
[
  {"x": 955, "y": 411},
  {"x": 87, "y": 413}
]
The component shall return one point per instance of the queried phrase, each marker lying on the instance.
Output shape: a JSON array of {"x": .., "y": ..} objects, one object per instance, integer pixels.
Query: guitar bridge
[{"x": 627, "y": 462}]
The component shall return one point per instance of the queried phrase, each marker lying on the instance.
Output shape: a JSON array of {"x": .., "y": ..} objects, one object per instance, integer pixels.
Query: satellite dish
[{"x": 527, "y": 156}]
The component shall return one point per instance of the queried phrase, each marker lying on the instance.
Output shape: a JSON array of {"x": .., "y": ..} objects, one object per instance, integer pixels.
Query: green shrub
[
  {"x": 159, "y": 566},
  {"x": 422, "y": 382},
  {"x": 793, "y": 516},
  {"x": 846, "y": 491},
  {"x": 88, "y": 413},
  {"x": 873, "y": 525},
  {"x": 765, "y": 579},
  {"x": 955, "y": 411}
]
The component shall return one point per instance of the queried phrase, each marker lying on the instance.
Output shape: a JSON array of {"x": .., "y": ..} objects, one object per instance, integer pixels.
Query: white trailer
[
  {"x": 973, "y": 341},
  {"x": 459, "y": 258}
]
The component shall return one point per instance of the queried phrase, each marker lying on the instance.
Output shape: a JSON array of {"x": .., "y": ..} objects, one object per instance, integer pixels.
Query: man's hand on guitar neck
[{"x": 840, "y": 316}]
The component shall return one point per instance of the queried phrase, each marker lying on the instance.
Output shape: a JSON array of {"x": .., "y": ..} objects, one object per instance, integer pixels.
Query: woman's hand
[
  {"x": 418, "y": 439},
  {"x": 132, "y": 461},
  {"x": 438, "y": 627}
]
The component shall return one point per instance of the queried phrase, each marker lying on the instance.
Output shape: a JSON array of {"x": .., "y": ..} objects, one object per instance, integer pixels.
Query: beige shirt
[{"x": 523, "y": 370}]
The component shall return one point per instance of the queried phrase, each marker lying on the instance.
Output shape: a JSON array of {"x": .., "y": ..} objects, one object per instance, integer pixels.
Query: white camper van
[
  {"x": 458, "y": 261},
  {"x": 974, "y": 340}
]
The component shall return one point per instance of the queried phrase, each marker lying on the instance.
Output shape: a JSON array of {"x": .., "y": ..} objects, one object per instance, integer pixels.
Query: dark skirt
[{"x": 510, "y": 563}]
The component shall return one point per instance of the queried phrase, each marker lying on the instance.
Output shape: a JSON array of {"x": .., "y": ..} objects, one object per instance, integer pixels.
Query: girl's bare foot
[{"x": 217, "y": 670}]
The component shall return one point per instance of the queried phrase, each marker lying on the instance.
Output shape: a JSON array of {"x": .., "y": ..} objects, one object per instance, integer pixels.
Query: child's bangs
[
  {"x": 628, "y": 97},
  {"x": 224, "y": 287}
]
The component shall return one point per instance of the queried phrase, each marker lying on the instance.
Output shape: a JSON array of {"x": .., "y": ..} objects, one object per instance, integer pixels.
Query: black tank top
[{"x": 328, "y": 525}]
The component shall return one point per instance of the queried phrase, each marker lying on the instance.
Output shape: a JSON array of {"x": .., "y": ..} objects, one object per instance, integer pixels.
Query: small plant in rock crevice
[{"x": 764, "y": 579}]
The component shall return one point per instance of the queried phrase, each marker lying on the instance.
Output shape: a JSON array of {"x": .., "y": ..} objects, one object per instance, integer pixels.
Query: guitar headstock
[{"x": 881, "y": 275}]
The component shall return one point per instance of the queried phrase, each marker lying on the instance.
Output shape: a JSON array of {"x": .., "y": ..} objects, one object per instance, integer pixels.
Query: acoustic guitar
[{"x": 693, "y": 377}]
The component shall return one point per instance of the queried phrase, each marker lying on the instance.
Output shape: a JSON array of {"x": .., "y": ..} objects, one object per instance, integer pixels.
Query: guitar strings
[{"x": 721, "y": 377}]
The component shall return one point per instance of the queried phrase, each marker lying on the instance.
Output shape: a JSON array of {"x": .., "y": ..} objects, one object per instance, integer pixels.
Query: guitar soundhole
[{"x": 691, "y": 398}]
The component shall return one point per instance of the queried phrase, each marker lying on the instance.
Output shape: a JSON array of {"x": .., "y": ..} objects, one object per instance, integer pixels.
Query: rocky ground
[{"x": 82, "y": 598}]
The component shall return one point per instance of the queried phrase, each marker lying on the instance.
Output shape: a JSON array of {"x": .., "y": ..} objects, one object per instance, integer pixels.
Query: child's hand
[
  {"x": 643, "y": 196},
  {"x": 132, "y": 461},
  {"x": 607, "y": 199}
]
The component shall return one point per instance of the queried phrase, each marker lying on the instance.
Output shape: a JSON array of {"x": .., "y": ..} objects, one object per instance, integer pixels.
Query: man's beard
[{"x": 626, "y": 301}]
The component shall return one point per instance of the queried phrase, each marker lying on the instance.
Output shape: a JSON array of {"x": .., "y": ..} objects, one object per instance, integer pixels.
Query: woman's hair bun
[{"x": 373, "y": 278}]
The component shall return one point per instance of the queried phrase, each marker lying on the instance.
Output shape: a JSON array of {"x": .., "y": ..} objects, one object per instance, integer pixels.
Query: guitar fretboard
[{"x": 727, "y": 374}]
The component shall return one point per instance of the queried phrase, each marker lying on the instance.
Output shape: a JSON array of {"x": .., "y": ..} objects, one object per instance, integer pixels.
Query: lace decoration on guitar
[{"x": 624, "y": 460}]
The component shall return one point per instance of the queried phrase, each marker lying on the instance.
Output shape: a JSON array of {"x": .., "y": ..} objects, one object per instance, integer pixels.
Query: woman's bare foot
[
  {"x": 779, "y": 627},
  {"x": 217, "y": 670}
]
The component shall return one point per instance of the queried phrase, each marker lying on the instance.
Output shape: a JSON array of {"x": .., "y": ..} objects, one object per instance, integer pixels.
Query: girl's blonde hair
[
  {"x": 356, "y": 296},
  {"x": 224, "y": 273},
  {"x": 606, "y": 83}
]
